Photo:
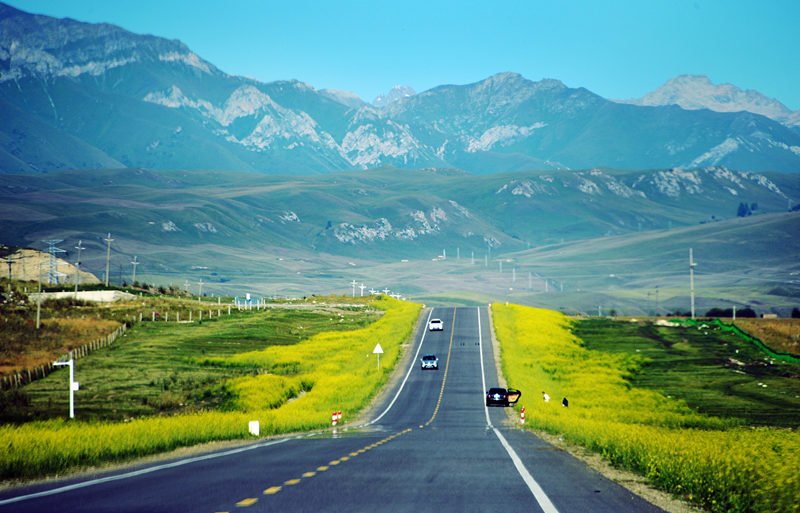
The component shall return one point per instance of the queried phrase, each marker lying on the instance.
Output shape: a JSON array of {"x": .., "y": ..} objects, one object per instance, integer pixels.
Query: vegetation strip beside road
[
  {"x": 329, "y": 371},
  {"x": 716, "y": 463}
]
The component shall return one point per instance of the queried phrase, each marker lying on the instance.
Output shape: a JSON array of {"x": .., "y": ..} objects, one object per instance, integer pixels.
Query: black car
[{"x": 502, "y": 396}]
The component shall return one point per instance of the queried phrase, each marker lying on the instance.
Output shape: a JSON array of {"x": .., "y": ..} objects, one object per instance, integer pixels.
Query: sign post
[
  {"x": 378, "y": 350},
  {"x": 73, "y": 385}
]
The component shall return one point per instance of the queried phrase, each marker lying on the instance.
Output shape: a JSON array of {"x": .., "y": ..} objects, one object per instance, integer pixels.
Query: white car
[
  {"x": 429, "y": 361},
  {"x": 435, "y": 325}
]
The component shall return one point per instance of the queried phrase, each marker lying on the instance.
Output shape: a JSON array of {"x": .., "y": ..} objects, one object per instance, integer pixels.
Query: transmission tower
[{"x": 52, "y": 276}]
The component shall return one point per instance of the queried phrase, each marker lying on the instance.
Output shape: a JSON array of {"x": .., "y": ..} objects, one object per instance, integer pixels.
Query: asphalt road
[{"x": 433, "y": 446}]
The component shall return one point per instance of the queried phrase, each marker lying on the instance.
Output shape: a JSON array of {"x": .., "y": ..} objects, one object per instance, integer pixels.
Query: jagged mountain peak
[
  {"x": 694, "y": 92},
  {"x": 395, "y": 94},
  {"x": 46, "y": 47}
]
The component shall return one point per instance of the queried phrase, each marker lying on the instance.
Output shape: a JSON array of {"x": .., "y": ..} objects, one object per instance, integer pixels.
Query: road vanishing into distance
[{"x": 431, "y": 446}]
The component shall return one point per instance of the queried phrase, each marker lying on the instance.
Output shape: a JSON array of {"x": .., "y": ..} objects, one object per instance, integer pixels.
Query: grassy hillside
[{"x": 518, "y": 236}]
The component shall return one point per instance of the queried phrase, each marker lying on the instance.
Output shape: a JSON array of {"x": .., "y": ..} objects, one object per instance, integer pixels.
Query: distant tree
[
  {"x": 719, "y": 312},
  {"x": 746, "y": 312},
  {"x": 753, "y": 206},
  {"x": 795, "y": 313},
  {"x": 744, "y": 210}
]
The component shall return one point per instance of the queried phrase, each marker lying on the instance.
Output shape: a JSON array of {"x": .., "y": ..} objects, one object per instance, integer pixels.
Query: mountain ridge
[
  {"x": 695, "y": 92},
  {"x": 146, "y": 101}
]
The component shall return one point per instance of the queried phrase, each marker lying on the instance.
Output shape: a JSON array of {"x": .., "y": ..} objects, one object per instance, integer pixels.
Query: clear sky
[{"x": 617, "y": 49}]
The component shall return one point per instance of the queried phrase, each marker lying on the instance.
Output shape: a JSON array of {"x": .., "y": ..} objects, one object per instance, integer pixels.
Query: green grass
[
  {"x": 713, "y": 371},
  {"x": 156, "y": 368}
]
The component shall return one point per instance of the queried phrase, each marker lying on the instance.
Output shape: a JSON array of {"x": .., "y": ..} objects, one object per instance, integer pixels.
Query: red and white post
[
  {"x": 334, "y": 418},
  {"x": 522, "y": 415}
]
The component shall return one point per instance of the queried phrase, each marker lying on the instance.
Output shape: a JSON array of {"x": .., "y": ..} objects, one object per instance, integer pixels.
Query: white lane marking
[
  {"x": 410, "y": 368},
  {"x": 533, "y": 486},
  {"x": 140, "y": 472}
]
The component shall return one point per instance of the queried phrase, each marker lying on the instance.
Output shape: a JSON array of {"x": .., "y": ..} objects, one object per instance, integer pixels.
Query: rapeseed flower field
[
  {"x": 715, "y": 463},
  {"x": 297, "y": 388}
]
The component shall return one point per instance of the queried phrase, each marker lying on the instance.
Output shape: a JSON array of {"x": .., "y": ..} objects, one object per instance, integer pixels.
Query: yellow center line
[
  {"x": 446, "y": 367},
  {"x": 275, "y": 489}
]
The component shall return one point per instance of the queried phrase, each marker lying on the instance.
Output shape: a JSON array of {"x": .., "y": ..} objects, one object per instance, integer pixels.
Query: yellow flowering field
[
  {"x": 303, "y": 384},
  {"x": 712, "y": 462}
]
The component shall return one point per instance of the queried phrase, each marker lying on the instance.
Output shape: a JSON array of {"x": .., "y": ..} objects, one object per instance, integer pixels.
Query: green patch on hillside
[{"x": 715, "y": 372}]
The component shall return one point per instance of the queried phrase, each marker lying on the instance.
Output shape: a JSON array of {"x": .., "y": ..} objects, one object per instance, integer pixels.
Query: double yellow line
[{"x": 272, "y": 490}]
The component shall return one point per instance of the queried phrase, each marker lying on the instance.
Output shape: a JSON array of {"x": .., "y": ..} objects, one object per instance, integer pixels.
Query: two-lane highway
[{"x": 433, "y": 446}]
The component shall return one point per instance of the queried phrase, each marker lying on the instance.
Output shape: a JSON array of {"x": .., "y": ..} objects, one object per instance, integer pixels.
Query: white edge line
[
  {"x": 410, "y": 368},
  {"x": 533, "y": 486},
  {"x": 139, "y": 472}
]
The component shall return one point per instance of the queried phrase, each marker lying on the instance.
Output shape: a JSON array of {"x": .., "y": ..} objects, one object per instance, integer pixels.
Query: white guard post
[{"x": 73, "y": 385}]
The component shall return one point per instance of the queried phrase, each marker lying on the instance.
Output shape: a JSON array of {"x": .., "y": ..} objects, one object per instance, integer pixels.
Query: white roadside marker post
[
  {"x": 73, "y": 385},
  {"x": 378, "y": 350}
]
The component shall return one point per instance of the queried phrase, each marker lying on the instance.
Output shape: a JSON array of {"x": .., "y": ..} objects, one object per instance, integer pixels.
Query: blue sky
[{"x": 617, "y": 49}]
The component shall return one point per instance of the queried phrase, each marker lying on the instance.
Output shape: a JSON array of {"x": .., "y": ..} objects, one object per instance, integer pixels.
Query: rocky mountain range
[
  {"x": 694, "y": 92},
  {"x": 78, "y": 96}
]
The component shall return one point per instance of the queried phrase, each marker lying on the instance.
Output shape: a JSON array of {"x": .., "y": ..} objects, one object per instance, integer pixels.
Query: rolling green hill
[{"x": 609, "y": 238}]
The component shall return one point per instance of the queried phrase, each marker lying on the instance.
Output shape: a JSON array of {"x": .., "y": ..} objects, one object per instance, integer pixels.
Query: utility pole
[
  {"x": 472, "y": 259},
  {"x": 135, "y": 263},
  {"x": 109, "y": 240},
  {"x": 80, "y": 248},
  {"x": 39, "y": 299},
  {"x": 354, "y": 283},
  {"x": 362, "y": 287},
  {"x": 658, "y": 304},
  {"x": 200, "y": 292},
  {"x": 692, "y": 264}
]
